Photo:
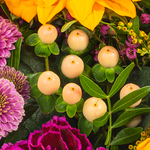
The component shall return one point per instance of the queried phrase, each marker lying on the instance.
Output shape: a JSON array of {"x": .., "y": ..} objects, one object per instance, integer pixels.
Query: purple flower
[
  {"x": 19, "y": 80},
  {"x": 145, "y": 19},
  {"x": 129, "y": 49},
  {"x": 9, "y": 34},
  {"x": 11, "y": 108},
  {"x": 69, "y": 17},
  {"x": 59, "y": 31},
  {"x": 101, "y": 148},
  {"x": 104, "y": 29}
]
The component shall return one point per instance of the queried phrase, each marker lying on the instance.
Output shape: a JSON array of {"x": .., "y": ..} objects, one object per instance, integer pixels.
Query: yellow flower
[
  {"x": 90, "y": 12},
  {"x": 28, "y": 9},
  {"x": 145, "y": 145},
  {"x": 136, "y": 0},
  {"x": 25, "y": 9}
]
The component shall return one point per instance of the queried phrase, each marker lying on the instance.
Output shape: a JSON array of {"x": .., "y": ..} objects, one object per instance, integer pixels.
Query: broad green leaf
[
  {"x": 67, "y": 25},
  {"x": 34, "y": 79},
  {"x": 118, "y": 69},
  {"x": 34, "y": 92},
  {"x": 61, "y": 105},
  {"x": 145, "y": 3},
  {"x": 99, "y": 122},
  {"x": 131, "y": 98},
  {"x": 114, "y": 147},
  {"x": 91, "y": 88},
  {"x": 99, "y": 73},
  {"x": 71, "y": 110},
  {"x": 120, "y": 80},
  {"x": 46, "y": 103},
  {"x": 127, "y": 135},
  {"x": 128, "y": 115},
  {"x": 85, "y": 126},
  {"x": 42, "y": 50},
  {"x": 136, "y": 24},
  {"x": 80, "y": 105},
  {"x": 54, "y": 49},
  {"x": 33, "y": 39},
  {"x": 95, "y": 129},
  {"x": 110, "y": 74}
]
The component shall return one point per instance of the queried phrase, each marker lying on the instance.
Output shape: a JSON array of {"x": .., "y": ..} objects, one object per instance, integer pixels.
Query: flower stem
[{"x": 46, "y": 64}]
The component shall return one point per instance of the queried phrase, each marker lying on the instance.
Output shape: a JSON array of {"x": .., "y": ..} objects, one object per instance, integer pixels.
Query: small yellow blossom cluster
[{"x": 144, "y": 135}]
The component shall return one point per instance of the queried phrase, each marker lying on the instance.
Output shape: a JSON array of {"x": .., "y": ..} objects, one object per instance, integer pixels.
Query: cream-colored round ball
[
  {"x": 47, "y": 33},
  {"x": 108, "y": 56},
  {"x": 71, "y": 93},
  {"x": 134, "y": 122},
  {"x": 72, "y": 66},
  {"x": 48, "y": 82},
  {"x": 94, "y": 108},
  {"x": 128, "y": 88},
  {"x": 78, "y": 40}
]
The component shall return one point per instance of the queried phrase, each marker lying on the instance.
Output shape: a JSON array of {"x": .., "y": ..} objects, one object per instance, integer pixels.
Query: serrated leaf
[
  {"x": 34, "y": 92},
  {"x": 42, "y": 50},
  {"x": 33, "y": 39},
  {"x": 91, "y": 88},
  {"x": 99, "y": 73},
  {"x": 61, "y": 105},
  {"x": 118, "y": 69},
  {"x": 46, "y": 103},
  {"x": 71, "y": 110},
  {"x": 127, "y": 135},
  {"x": 99, "y": 122},
  {"x": 131, "y": 98},
  {"x": 54, "y": 49},
  {"x": 85, "y": 126},
  {"x": 110, "y": 74},
  {"x": 80, "y": 105},
  {"x": 128, "y": 115},
  {"x": 67, "y": 25},
  {"x": 120, "y": 80}
]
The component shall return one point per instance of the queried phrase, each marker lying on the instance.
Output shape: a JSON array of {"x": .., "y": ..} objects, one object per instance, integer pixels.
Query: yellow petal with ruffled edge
[
  {"x": 144, "y": 145},
  {"x": 121, "y": 7},
  {"x": 87, "y": 12},
  {"x": 49, "y": 9},
  {"x": 26, "y": 9}
]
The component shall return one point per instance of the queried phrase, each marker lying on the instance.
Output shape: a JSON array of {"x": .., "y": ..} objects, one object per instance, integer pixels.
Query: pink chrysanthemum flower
[
  {"x": 9, "y": 34},
  {"x": 19, "y": 80},
  {"x": 11, "y": 108}
]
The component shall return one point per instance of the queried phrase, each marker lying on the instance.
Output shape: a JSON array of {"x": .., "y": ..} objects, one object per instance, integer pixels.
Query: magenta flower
[
  {"x": 9, "y": 34},
  {"x": 69, "y": 17},
  {"x": 104, "y": 29},
  {"x": 129, "y": 49},
  {"x": 101, "y": 148},
  {"x": 58, "y": 134},
  {"x": 145, "y": 18},
  {"x": 19, "y": 80},
  {"x": 11, "y": 108}
]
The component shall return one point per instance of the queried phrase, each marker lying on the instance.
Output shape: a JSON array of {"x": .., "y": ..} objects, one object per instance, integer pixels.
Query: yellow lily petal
[
  {"x": 87, "y": 12},
  {"x": 121, "y": 7},
  {"x": 25, "y": 9},
  {"x": 136, "y": 0},
  {"x": 144, "y": 144},
  {"x": 49, "y": 9}
]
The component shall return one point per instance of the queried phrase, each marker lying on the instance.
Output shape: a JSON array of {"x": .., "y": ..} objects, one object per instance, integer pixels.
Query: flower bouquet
[{"x": 74, "y": 75}]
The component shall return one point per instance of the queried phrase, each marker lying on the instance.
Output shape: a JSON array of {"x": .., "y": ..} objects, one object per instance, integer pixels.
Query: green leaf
[
  {"x": 120, "y": 80},
  {"x": 145, "y": 3},
  {"x": 46, "y": 103},
  {"x": 110, "y": 74},
  {"x": 99, "y": 73},
  {"x": 85, "y": 126},
  {"x": 42, "y": 50},
  {"x": 33, "y": 39},
  {"x": 136, "y": 24},
  {"x": 71, "y": 110},
  {"x": 34, "y": 92},
  {"x": 127, "y": 135},
  {"x": 128, "y": 115},
  {"x": 67, "y": 25},
  {"x": 54, "y": 49},
  {"x": 131, "y": 98},
  {"x": 91, "y": 88},
  {"x": 114, "y": 147},
  {"x": 34, "y": 79},
  {"x": 80, "y": 105},
  {"x": 118, "y": 69},
  {"x": 61, "y": 105},
  {"x": 99, "y": 122}
]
